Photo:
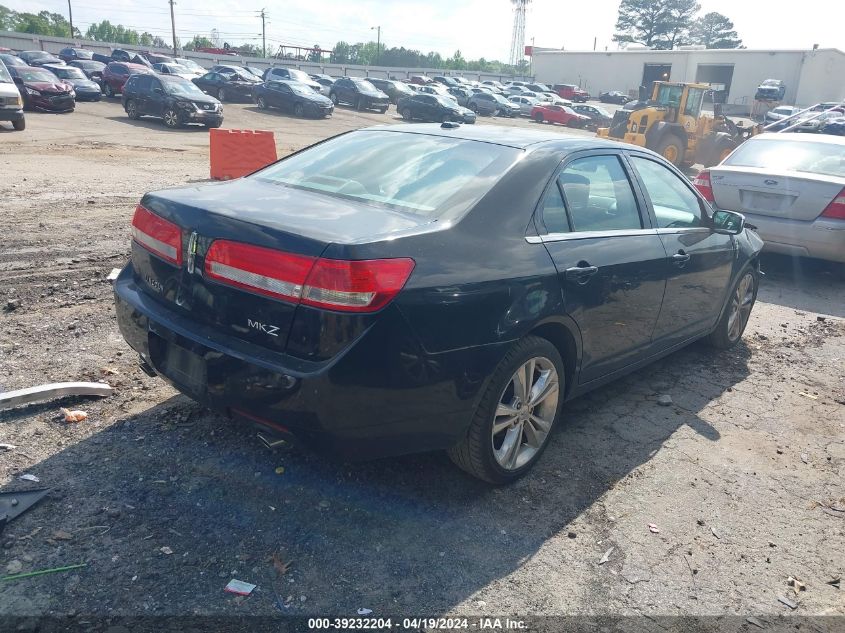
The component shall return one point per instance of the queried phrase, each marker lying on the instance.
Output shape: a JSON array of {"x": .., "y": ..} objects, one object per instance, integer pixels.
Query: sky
[{"x": 479, "y": 28}]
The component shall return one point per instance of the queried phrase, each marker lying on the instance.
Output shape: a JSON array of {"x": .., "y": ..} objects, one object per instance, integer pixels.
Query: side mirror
[{"x": 728, "y": 222}]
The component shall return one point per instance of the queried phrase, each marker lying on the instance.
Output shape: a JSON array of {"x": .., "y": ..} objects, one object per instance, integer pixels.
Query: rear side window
[
  {"x": 554, "y": 211},
  {"x": 411, "y": 173},
  {"x": 599, "y": 196},
  {"x": 674, "y": 203}
]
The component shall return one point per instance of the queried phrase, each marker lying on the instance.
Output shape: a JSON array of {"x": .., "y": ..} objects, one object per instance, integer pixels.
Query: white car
[
  {"x": 791, "y": 187},
  {"x": 525, "y": 104},
  {"x": 194, "y": 68},
  {"x": 11, "y": 103},
  {"x": 174, "y": 69}
]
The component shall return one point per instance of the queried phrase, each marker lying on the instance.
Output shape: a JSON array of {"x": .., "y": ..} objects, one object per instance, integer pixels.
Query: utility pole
[
  {"x": 378, "y": 42},
  {"x": 263, "y": 35},
  {"x": 70, "y": 18},
  {"x": 173, "y": 28}
]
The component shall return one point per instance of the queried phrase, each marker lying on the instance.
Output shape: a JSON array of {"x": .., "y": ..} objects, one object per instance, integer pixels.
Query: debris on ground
[
  {"x": 14, "y": 566},
  {"x": 664, "y": 400},
  {"x": 787, "y": 602},
  {"x": 165, "y": 550},
  {"x": 279, "y": 564},
  {"x": 7, "y": 447},
  {"x": 114, "y": 274},
  {"x": 61, "y": 535},
  {"x": 363, "y": 611},
  {"x": 13, "y": 504},
  {"x": 834, "y": 582},
  {"x": 606, "y": 556},
  {"x": 12, "y": 304},
  {"x": 653, "y": 528},
  {"x": 28, "y": 477},
  {"x": 569, "y": 534},
  {"x": 808, "y": 395},
  {"x": 805, "y": 458},
  {"x": 797, "y": 585},
  {"x": 755, "y": 621},
  {"x": 53, "y": 390},
  {"x": 715, "y": 533},
  {"x": 280, "y": 470},
  {"x": 239, "y": 587},
  {"x": 41, "y": 572},
  {"x": 74, "y": 416}
]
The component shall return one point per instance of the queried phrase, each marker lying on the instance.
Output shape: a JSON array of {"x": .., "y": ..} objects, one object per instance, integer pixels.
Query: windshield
[
  {"x": 299, "y": 75},
  {"x": 91, "y": 65},
  {"x": 499, "y": 98},
  {"x": 363, "y": 84},
  {"x": 449, "y": 102},
  {"x": 36, "y": 75},
  {"x": 301, "y": 89},
  {"x": 788, "y": 155},
  {"x": 669, "y": 96},
  {"x": 180, "y": 87},
  {"x": 401, "y": 86},
  {"x": 189, "y": 63},
  {"x": 81, "y": 54},
  {"x": 5, "y": 77},
  {"x": 412, "y": 173},
  {"x": 68, "y": 72},
  {"x": 37, "y": 54},
  {"x": 139, "y": 71},
  {"x": 176, "y": 69}
]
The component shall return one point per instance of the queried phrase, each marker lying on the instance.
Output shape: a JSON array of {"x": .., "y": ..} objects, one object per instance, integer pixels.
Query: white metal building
[{"x": 810, "y": 76}]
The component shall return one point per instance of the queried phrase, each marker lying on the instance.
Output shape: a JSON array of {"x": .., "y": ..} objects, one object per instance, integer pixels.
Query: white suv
[{"x": 11, "y": 104}]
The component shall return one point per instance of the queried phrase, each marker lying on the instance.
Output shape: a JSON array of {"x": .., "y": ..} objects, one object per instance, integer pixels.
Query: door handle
[
  {"x": 680, "y": 259},
  {"x": 581, "y": 274}
]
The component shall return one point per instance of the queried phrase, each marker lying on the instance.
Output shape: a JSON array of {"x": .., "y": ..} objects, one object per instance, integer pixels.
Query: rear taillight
[
  {"x": 836, "y": 208},
  {"x": 157, "y": 235},
  {"x": 348, "y": 286},
  {"x": 703, "y": 184}
]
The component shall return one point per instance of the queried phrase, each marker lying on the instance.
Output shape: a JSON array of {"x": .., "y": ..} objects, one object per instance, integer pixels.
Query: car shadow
[
  {"x": 157, "y": 124},
  {"x": 802, "y": 283},
  {"x": 284, "y": 114},
  {"x": 180, "y": 500}
]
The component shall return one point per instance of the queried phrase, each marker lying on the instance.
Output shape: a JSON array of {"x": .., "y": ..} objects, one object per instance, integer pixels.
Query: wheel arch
[
  {"x": 660, "y": 130},
  {"x": 567, "y": 339}
]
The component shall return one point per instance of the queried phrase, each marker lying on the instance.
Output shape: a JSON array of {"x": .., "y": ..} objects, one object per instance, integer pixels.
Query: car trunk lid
[{"x": 783, "y": 194}]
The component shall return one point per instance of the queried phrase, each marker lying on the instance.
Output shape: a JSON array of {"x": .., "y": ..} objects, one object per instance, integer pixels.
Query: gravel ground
[{"x": 165, "y": 502}]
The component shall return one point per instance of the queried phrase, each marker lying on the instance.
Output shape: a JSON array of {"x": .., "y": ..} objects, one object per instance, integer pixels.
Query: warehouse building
[{"x": 811, "y": 76}]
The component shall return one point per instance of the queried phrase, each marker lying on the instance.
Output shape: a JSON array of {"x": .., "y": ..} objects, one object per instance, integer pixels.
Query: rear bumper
[
  {"x": 822, "y": 239},
  {"x": 382, "y": 396}
]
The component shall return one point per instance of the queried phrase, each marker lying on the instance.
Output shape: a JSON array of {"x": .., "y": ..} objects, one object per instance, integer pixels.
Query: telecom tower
[{"x": 518, "y": 39}]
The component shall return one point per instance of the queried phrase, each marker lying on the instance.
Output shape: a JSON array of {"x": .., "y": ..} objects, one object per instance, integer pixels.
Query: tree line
[{"x": 668, "y": 24}]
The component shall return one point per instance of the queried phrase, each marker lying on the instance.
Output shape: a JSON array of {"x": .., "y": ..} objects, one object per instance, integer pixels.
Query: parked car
[
  {"x": 322, "y": 78},
  {"x": 513, "y": 89},
  {"x": 488, "y": 104},
  {"x": 359, "y": 93},
  {"x": 614, "y": 96},
  {"x": 559, "y": 114},
  {"x": 427, "y": 107},
  {"x": 11, "y": 101},
  {"x": 493, "y": 84},
  {"x": 42, "y": 90},
  {"x": 157, "y": 58},
  {"x": 258, "y": 72},
  {"x": 292, "y": 96},
  {"x": 191, "y": 65},
  {"x": 120, "y": 55},
  {"x": 85, "y": 89},
  {"x": 419, "y": 80},
  {"x": 791, "y": 187},
  {"x": 572, "y": 92},
  {"x": 599, "y": 117},
  {"x": 525, "y": 104},
  {"x": 294, "y": 74},
  {"x": 39, "y": 58},
  {"x": 353, "y": 281},
  {"x": 778, "y": 114},
  {"x": 460, "y": 94},
  {"x": 227, "y": 86},
  {"x": 70, "y": 54},
  {"x": 538, "y": 87},
  {"x": 175, "y": 100},
  {"x": 174, "y": 69},
  {"x": 448, "y": 82},
  {"x": 392, "y": 88},
  {"x": 11, "y": 60},
  {"x": 771, "y": 90},
  {"x": 116, "y": 74},
  {"x": 835, "y": 126},
  {"x": 434, "y": 88},
  {"x": 812, "y": 122},
  {"x": 91, "y": 69}
]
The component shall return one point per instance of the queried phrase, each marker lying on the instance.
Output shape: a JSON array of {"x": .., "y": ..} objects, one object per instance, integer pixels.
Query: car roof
[
  {"x": 509, "y": 136},
  {"x": 825, "y": 139}
]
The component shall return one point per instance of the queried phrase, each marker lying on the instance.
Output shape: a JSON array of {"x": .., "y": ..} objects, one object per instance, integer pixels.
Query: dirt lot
[{"x": 165, "y": 502}]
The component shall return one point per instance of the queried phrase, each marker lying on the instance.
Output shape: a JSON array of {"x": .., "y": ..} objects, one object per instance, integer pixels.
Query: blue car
[{"x": 85, "y": 88}]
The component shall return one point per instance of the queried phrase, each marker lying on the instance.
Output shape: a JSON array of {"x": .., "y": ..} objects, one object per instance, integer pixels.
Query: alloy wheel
[
  {"x": 741, "y": 304},
  {"x": 299, "y": 110},
  {"x": 132, "y": 110},
  {"x": 525, "y": 413},
  {"x": 261, "y": 103},
  {"x": 221, "y": 94},
  {"x": 171, "y": 118}
]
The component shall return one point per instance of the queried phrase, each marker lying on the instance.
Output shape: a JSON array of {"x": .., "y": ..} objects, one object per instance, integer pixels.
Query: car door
[
  {"x": 699, "y": 261},
  {"x": 609, "y": 259},
  {"x": 139, "y": 89},
  {"x": 283, "y": 95},
  {"x": 430, "y": 108},
  {"x": 154, "y": 95}
]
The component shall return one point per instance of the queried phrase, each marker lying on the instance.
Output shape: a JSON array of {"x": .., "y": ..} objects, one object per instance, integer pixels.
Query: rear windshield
[
  {"x": 81, "y": 54},
  {"x": 802, "y": 156},
  {"x": 430, "y": 176},
  {"x": 68, "y": 72}
]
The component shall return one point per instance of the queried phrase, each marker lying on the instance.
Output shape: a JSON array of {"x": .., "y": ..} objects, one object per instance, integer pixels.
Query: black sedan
[
  {"x": 11, "y": 60},
  {"x": 599, "y": 117},
  {"x": 39, "y": 58},
  {"x": 92, "y": 69},
  {"x": 411, "y": 288},
  {"x": 359, "y": 93},
  {"x": 614, "y": 96},
  {"x": 292, "y": 96},
  {"x": 227, "y": 86},
  {"x": 86, "y": 89},
  {"x": 428, "y": 107}
]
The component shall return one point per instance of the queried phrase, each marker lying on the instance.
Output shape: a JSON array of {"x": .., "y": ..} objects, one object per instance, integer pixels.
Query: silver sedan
[
  {"x": 525, "y": 104},
  {"x": 791, "y": 187}
]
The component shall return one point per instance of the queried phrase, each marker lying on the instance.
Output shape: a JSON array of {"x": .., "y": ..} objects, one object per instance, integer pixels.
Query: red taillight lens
[
  {"x": 348, "y": 286},
  {"x": 355, "y": 286},
  {"x": 836, "y": 208},
  {"x": 263, "y": 270},
  {"x": 157, "y": 235},
  {"x": 703, "y": 184}
]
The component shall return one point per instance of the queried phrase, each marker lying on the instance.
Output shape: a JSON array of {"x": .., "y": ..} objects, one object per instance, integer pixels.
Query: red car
[
  {"x": 42, "y": 90},
  {"x": 419, "y": 80},
  {"x": 115, "y": 75},
  {"x": 572, "y": 93},
  {"x": 558, "y": 114}
]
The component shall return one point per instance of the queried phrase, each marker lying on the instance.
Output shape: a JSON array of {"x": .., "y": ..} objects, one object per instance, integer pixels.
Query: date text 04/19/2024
[{"x": 417, "y": 623}]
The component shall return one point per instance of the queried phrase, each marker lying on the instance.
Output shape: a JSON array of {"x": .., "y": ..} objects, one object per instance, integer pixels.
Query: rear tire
[
  {"x": 221, "y": 95},
  {"x": 731, "y": 326},
  {"x": 478, "y": 453},
  {"x": 132, "y": 110},
  {"x": 333, "y": 97},
  {"x": 19, "y": 125},
  {"x": 108, "y": 91},
  {"x": 538, "y": 117},
  {"x": 406, "y": 114},
  {"x": 672, "y": 149},
  {"x": 298, "y": 110}
]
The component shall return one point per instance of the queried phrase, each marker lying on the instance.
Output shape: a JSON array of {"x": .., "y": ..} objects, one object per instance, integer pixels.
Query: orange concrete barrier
[{"x": 235, "y": 153}]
